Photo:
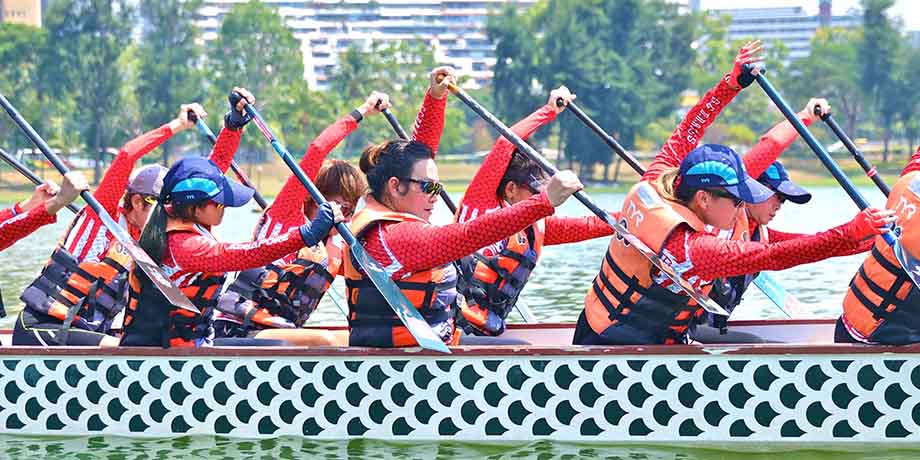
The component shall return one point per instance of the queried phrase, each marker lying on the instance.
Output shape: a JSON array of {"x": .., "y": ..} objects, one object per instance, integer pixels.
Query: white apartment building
[
  {"x": 793, "y": 26},
  {"x": 455, "y": 29}
]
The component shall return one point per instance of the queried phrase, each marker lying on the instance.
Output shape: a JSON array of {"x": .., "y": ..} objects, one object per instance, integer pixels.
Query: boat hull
[{"x": 796, "y": 394}]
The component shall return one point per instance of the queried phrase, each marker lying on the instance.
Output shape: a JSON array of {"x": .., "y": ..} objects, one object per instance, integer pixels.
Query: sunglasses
[
  {"x": 150, "y": 199},
  {"x": 218, "y": 205},
  {"x": 431, "y": 187},
  {"x": 537, "y": 184},
  {"x": 723, "y": 194}
]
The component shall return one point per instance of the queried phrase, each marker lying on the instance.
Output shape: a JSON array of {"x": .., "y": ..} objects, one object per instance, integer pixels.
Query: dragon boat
[{"x": 804, "y": 389}]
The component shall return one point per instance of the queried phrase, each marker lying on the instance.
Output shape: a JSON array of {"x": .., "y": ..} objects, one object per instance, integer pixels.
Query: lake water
[{"x": 554, "y": 293}]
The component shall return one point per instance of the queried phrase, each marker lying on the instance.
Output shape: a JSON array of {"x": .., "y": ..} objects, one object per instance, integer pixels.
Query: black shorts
[{"x": 29, "y": 331}]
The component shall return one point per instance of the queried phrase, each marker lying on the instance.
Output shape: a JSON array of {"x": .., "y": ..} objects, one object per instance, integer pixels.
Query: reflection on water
[
  {"x": 219, "y": 448},
  {"x": 558, "y": 285}
]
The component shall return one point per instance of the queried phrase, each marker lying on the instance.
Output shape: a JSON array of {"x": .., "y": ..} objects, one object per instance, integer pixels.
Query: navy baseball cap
[
  {"x": 778, "y": 180},
  {"x": 713, "y": 165},
  {"x": 195, "y": 179}
]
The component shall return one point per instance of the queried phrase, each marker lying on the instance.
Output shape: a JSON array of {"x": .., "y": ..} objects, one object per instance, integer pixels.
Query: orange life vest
[
  {"x": 492, "y": 284},
  {"x": 433, "y": 292},
  {"x": 882, "y": 305},
  {"x": 282, "y": 295},
  {"x": 150, "y": 320},
  {"x": 625, "y": 305}
]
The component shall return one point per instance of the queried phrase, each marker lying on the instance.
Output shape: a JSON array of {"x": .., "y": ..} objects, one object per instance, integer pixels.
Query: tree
[
  {"x": 832, "y": 71},
  {"x": 515, "y": 63},
  {"x": 879, "y": 46},
  {"x": 19, "y": 51},
  {"x": 169, "y": 56},
  {"x": 86, "y": 39},
  {"x": 256, "y": 50}
]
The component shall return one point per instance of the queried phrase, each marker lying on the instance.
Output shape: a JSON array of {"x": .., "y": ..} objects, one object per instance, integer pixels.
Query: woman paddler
[
  {"x": 418, "y": 256},
  {"x": 493, "y": 278},
  {"x": 684, "y": 190},
  {"x": 882, "y": 304},
  {"x": 273, "y": 302}
]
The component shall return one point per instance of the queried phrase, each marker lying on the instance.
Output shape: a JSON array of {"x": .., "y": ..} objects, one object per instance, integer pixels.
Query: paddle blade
[
  {"x": 786, "y": 302},
  {"x": 153, "y": 272},
  {"x": 407, "y": 313}
]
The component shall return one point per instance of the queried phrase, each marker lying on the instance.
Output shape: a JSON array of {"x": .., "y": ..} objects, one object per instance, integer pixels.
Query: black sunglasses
[
  {"x": 431, "y": 187},
  {"x": 723, "y": 194}
]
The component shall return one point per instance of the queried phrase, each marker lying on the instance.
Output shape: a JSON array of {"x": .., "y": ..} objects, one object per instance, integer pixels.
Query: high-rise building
[
  {"x": 454, "y": 29},
  {"x": 21, "y": 11},
  {"x": 793, "y": 26}
]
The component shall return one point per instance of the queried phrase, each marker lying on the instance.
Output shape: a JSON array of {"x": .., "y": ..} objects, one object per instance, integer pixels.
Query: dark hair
[
  {"x": 393, "y": 158},
  {"x": 682, "y": 193},
  {"x": 153, "y": 239},
  {"x": 521, "y": 170}
]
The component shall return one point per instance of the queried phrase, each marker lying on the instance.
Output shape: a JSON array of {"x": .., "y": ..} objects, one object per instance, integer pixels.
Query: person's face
[
  {"x": 210, "y": 213},
  {"x": 764, "y": 212},
  {"x": 417, "y": 193},
  {"x": 717, "y": 208},
  {"x": 141, "y": 205}
]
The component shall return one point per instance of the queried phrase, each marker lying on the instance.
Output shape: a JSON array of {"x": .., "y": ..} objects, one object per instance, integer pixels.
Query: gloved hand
[
  {"x": 869, "y": 222},
  {"x": 316, "y": 230},
  {"x": 238, "y": 117},
  {"x": 748, "y": 54}
]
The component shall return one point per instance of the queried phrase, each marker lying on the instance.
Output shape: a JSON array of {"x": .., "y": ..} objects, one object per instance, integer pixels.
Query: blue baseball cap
[
  {"x": 778, "y": 180},
  {"x": 195, "y": 179},
  {"x": 713, "y": 165}
]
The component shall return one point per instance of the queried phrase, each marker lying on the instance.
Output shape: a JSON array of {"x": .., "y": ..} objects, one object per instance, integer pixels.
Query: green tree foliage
[
  {"x": 877, "y": 53},
  {"x": 400, "y": 70},
  {"x": 516, "y": 67},
  {"x": 256, "y": 50},
  {"x": 87, "y": 39},
  {"x": 168, "y": 55},
  {"x": 19, "y": 52}
]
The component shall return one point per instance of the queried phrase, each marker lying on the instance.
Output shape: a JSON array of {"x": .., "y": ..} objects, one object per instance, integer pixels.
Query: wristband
[{"x": 356, "y": 114}]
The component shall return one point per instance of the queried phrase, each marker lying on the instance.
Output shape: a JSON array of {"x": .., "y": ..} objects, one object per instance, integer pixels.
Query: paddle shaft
[
  {"x": 607, "y": 138},
  {"x": 25, "y": 171},
  {"x": 141, "y": 258},
  {"x": 871, "y": 172},
  {"x": 206, "y": 131},
  {"x": 407, "y": 313},
  {"x": 819, "y": 150},
  {"x": 700, "y": 298}
]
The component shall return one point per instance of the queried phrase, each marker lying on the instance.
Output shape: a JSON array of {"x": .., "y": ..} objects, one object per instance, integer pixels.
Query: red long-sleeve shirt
[
  {"x": 10, "y": 212},
  {"x": 86, "y": 238},
  {"x": 770, "y": 147},
  {"x": 286, "y": 211},
  {"x": 417, "y": 246},
  {"x": 16, "y": 227},
  {"x": 195, "y": 253},
  {"x": 913, "y": 164},
  {"x": 701, "y": 257},
  {"x": 481, "y": 198}
]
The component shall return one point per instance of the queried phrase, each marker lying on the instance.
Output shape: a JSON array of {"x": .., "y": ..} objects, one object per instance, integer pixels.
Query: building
[
  {"x": 21, "y": 12},
  {"x": 455, "y": 29},
  {"x": 793, "y": 26}
]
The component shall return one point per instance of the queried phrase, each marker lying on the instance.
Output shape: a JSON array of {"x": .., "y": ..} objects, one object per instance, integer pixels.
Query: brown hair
[
  {"x": 338, "y": 177},
  {"x": 521, "y": 170},
  {"x": 665, "y": 185},
  {"x": 393, "y": 158}
]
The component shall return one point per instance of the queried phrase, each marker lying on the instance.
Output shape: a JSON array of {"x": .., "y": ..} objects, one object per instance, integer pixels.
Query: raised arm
[
  {"x": 779, "y": 138},
  {"x": 429, "y": 123},
  {"x": 692, "y": 128}
]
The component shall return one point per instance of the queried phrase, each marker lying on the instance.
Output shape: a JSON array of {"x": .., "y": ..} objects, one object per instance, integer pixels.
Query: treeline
[
  {"x": 100, "y": 72},
  {"x": 631, "y": 63}
]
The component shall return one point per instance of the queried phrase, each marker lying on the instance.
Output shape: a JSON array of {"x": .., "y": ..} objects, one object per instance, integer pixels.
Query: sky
[{"x": 908, "y": 10}]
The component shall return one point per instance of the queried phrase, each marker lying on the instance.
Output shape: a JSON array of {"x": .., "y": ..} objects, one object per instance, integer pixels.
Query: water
[{"x": 554, "y": 293}]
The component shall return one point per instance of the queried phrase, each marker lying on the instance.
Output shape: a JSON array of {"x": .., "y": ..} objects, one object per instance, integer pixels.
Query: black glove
[
  {"x": 234, "y": 119},
  {"x": 315, "y": 231},
  {"x": 746, "y": 77}
]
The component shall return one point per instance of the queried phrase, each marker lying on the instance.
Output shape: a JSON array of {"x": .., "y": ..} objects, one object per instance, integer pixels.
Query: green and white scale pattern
[{"x": 651, "y": 398}]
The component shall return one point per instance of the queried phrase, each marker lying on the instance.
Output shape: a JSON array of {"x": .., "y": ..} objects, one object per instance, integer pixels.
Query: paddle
[
  {"x": 771, "y": 288},
  {"x": 521, "y": 307},
  {"x": 911, "y": 266},
  {"x": 172, "y": 293},
  {"x": 694, "y": 293},
  {"x": 25, "y": 171},
  {"x": 871, "y": 172},
  {"x": 406, "y": 312},
  {"x": 206, "y": 131}
]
